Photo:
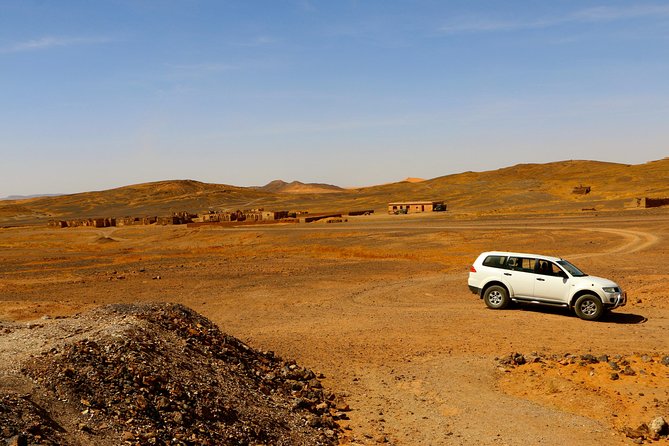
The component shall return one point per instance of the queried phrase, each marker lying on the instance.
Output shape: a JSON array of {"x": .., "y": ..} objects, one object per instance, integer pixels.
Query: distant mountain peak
[
  {"x": 274, "y": 184},
  {"x": 26, "y": 197},
  {"x": 298, "y": 187}
]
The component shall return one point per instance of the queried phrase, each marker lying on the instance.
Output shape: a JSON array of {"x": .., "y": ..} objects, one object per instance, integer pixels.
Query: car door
[
  {"x": 550, "y": 282},
  {"x": 521, "y": 276}
]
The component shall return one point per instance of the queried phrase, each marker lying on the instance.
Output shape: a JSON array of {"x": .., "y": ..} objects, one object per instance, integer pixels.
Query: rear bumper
[{"x": 475, "y": 290}]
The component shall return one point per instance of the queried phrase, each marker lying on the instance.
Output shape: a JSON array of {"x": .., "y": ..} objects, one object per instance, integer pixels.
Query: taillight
[{"x": 472, "y": 269}]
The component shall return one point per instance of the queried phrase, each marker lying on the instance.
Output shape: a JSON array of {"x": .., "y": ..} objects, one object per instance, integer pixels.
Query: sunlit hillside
[{"x": 523, "y": 188}]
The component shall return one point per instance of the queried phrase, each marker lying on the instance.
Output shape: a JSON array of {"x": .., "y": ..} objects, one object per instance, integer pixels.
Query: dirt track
[{"x": 380, "y": 305}]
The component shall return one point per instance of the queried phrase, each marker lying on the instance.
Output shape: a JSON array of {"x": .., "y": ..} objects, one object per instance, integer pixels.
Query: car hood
[{"x": 598, "y": 281}]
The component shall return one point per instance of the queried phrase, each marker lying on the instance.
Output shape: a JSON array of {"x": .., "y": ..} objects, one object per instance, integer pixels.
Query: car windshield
[{"x": 571, "y": 269}]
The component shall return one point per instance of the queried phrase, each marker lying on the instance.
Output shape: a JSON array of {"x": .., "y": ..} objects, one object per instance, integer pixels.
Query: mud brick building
[
  {"x": 177, "y": 218},
  {"x": 130, "y": 221},
  {"x": 57, "y": 224},
  {"x": 581, "y": 190},
  {"x": 210, "y": 216},
  {"x": 647, "y": 202},
  {"x": 171, "y": 220},
  {"x": 413, "y": 207},
  {"x": 274, "y": 215}
]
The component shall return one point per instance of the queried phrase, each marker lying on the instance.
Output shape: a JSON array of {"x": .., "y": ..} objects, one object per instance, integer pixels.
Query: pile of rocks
[{"x": 163, "y": 374}]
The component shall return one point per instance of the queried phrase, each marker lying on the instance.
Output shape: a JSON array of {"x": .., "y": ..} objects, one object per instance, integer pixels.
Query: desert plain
[{"x": 380, "y": 306}]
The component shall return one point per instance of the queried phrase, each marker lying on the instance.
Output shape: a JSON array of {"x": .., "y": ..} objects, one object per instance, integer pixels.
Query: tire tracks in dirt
[
  {"x": 447, "y": 409},
  {"x": 635, "y": 241}
]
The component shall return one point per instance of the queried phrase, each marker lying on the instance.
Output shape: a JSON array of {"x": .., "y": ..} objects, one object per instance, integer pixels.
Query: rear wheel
[
  {"x": 496, "y": 297},
  {"x": 589, "y": 307}
]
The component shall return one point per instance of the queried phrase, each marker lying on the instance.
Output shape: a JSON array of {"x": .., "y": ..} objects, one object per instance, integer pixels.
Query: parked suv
[{"x": 503, "y": 277}]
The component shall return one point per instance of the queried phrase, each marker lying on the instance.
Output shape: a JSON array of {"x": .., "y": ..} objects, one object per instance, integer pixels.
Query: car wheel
[
  {"x": 496, "y": 297},
  {"x": 589, "y": 307}
]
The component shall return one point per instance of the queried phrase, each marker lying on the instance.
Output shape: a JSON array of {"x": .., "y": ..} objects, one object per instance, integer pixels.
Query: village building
[
  {"x": 177, "y": 218},
  {"x": 172, "y": 220},
  {"x": 210, "y": 217},
  {"x": 413, "y": 207},
  {"x": 581, "y": 190},
  {"x": 131, "y": 221},
  {"x": 57, "y": 224},
  {"x": 274, "y": 215},
  {"x": 647, "y": 202},
  {"x": 102, "y": 222}
]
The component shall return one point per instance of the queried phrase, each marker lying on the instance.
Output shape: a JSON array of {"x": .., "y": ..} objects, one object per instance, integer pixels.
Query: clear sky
[{"x": 105, "y": 93}]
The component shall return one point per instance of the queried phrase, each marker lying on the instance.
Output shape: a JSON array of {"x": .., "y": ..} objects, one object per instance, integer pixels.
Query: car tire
[
  {"x": 496, "y": 297},
  {"x": 589, "y": 307}
]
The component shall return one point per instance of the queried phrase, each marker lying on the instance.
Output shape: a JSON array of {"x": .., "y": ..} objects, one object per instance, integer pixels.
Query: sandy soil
[{"x": 380, "y": 306}]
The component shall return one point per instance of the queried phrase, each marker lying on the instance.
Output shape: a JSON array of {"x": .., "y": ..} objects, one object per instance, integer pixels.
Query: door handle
[
  {"x": 540, "y": 279},
  {"x": 507, "y": 274}
]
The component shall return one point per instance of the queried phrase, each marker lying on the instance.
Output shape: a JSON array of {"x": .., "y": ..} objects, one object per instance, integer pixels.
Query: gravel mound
[{"x": 163, "y": 374}]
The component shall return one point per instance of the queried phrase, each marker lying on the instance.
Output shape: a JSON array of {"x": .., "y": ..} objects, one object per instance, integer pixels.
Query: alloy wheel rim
[
  {"x": 589, "y": 308},
  {"x": 495, "y": 297}
]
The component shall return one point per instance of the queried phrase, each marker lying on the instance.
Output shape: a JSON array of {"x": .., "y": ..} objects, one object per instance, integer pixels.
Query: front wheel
[
  {"x": 496, "y": 297},
  {"x": 589, "y": 307}
]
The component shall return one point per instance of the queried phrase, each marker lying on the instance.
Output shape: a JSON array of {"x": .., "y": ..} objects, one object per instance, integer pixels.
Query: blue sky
[{"x": 100, "y": 94}]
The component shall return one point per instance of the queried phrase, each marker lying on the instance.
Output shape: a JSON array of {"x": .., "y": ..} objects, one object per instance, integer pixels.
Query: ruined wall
[
  {"x": 646, "y": 202},
  {"x": 177, "y": 218},
  {"x": 57, "y": 224},
  {"x": 412, "y": 207},
  {"x": 581, "y": 190}
]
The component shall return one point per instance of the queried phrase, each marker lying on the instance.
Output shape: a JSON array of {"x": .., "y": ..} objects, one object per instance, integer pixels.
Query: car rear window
[{"x": 495, "y": 261}]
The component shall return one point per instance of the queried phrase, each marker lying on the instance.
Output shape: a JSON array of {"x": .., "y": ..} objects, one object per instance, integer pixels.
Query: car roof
[{"x": 521, "y": 254}]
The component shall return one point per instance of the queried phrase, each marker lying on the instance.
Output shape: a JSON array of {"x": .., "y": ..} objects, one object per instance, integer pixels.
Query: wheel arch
[
  {"x": 493, "y": 283},
  {"x": 582, "y": 292}
]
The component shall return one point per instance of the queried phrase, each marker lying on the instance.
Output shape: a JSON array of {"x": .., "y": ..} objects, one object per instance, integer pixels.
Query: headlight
[{"x": 610, "y": 289}]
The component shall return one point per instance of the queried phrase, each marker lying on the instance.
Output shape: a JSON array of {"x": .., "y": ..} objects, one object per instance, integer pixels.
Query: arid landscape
[
  {"x": 377, "y": 306},
  {"x": 525, "y": 188}
]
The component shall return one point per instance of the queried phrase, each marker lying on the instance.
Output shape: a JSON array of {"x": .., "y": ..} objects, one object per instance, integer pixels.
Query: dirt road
[{"x": 380, "y": 305}]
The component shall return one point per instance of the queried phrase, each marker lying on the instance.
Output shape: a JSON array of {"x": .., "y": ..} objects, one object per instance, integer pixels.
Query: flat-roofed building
[{"x": 413, "y": 207}]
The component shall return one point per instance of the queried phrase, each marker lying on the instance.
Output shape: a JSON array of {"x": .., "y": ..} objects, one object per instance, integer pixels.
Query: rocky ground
[
  {"x": 379, "y": 305},
  {"x": 628, "y": 391},
  {"x": 155, "y": 374}
]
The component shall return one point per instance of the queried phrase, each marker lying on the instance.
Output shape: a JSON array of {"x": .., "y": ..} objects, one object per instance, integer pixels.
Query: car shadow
[
  {"x": 611, "y": 317},
  {"x": 623, "y": 318}
]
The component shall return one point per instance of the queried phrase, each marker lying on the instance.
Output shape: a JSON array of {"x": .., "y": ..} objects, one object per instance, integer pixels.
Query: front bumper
[{"x": 615, "y": 300}]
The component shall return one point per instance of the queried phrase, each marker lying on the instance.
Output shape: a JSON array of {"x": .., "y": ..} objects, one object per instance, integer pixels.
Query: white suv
[{"x": 501, "y": 277}]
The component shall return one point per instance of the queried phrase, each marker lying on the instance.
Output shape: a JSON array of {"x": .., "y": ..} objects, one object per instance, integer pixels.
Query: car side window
[
  {"x": 495, "y": 261},
  {"x": 513, "y": 263},
  {"x": 548, "y": 268},
  {"x": 528, "y": 265},
  {"x": 521, "y": 264}
]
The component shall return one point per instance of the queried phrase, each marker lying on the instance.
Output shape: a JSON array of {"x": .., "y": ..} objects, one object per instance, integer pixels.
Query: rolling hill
[
  {"x": 523, "y": 188},
  {"x": 297, "y": 187}
]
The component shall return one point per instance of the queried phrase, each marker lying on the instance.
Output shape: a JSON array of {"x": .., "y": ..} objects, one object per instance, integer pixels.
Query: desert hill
[
  {"x": 297, "y": 187},
  {"x": 537, "y": 187},
  {"x": 155, "y": 198},
  {"x": 517, "y": 189},
  {"x": 24, "y": 197}
]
